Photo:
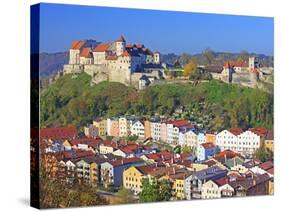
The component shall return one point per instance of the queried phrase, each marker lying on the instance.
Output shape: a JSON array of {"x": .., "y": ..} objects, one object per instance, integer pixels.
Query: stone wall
[{"x": 72, "y": 69}]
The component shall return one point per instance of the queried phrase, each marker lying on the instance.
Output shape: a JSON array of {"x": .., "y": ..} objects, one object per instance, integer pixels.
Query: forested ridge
[{"x": 71, "y": 100}]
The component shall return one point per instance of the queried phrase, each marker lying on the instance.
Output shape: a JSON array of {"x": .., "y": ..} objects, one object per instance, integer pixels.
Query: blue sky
[{"x": 164, "y": 31}]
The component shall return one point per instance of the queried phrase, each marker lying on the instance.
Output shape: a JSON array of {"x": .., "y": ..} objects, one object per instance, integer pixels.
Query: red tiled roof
[
  {"x": 129, "y": 148},
  {"x": 110, "y": 143},
  {"x": 111, "y": 57},
  {"x": 185, "y": 155},
  {"x": 120, "y": 39},
  {"x": 125, "y": 54},
  {"x": 208, "y": 145},
  {"x": 222, "y": 181},
  {"x": 77, "y": 44},
  {"x": 86, "y": 52},
  {"x": 270, "y": 171},
  {"x": 58, "y": 133},
  {"x": 166, "y": 155},
  {"x": 235, "y": 131},
  {"x": 125, "y": 161},
  {"x": 266, "y": 165},
  {"x": 230, "y": 64},
  {"x": 102, "y": 47},
  {"x": 153, "y": 156},
  {"x": 228, "y": 154},
  {"x": 259, "y": 131},
  {"x": 180, "y": 123},
  {"x": 145, "y": 169}
]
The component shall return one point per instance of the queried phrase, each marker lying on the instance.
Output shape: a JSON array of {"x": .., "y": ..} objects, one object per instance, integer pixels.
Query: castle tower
[
  {"x": 120, "y": 45},
  {"x": 227, "y": 72},
  {"x": 156, "y": 57},
  {"x": 252, "y": 63}
]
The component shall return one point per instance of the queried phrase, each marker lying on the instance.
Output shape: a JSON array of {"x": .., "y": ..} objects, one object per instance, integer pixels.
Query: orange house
[
  {"x": 114, "y": 129},
  {"x": 210, "y": 138},
  {"x": 147, "y": 131}
]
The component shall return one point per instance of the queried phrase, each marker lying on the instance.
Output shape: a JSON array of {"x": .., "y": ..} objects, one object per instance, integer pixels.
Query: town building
[{"x": 205, "y": 150}]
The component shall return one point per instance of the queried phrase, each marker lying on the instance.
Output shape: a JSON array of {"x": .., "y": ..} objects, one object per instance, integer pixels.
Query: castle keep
[{"x": 130, "y": 64}]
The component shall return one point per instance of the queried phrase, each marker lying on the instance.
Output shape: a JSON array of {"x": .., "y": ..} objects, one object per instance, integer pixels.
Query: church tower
[{"x": 120, "y": 45}]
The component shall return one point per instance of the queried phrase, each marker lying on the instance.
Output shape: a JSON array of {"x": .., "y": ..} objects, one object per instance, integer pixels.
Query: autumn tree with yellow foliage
[{"x": 190, "y": 68}]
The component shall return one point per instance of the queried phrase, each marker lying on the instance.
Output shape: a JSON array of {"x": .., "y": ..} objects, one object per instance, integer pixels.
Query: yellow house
[
  {"x": 178, "y": 187},
  {"x": 198, "y": 167},
  {"x": 101, "y": 126},
  {"x": 271, "y": 187},
  {"x": 67, "y": 145},
  {"x": 133, "y": 176},
  {"x": 147, "y": 131},
  {"x": 269, "y": 141},
  {"x": 177, "y": 178}
]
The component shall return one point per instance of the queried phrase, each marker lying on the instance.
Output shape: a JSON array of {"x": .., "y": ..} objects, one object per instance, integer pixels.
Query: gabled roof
[
  {"x": 102, "y": 47},
  {"x": 125, "y": 161},
  {"x": 208, "y": 145},
  {"x": 78, "y": 44},
  {"x": 266, "y": 165},
  {"x": 92, "y": 142},
  {"x": 111, "y": 57},
  {"x": 225, "y": 155},
  {"x": 153, "y": 156},
  {"x": 86, "y": 52},
  {"x": 125, "y": 54},
  {"x": 145, "y": 170},
  {"x": 260, "y": 131},
  {"x": 236, "y": 131},
  {"x": 221, "y": 181},
  {"x": 120, "y": 39},
  {"x": 231, "y": 64}
]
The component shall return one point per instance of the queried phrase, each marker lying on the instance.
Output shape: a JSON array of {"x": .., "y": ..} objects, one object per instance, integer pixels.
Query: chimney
[
  {"x": 174, "y": 170},
  {"x": 122, "y": 161}
]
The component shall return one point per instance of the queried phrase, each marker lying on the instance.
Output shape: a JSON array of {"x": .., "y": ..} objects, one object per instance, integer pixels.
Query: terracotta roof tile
[
  {"x": 236, "y": 131},
  {"x": 208, "y": 145},
  {"x": 102, "y": 47},
  {"x": 111, "y": 57},
  {"x": 58, "y": 133},
  {"x": 230, "y": 64},
  {"x": 77, "y": 44},
  {"x": 86, "y": 52}
]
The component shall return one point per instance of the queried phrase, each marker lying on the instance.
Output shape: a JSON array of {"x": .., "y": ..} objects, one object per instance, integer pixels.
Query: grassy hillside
[{"x": 73, "y": 101}]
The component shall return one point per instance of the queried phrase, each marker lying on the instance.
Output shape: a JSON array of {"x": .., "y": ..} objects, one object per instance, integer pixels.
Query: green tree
[
  {"x": 124, "y": 196},
  {"x": 149, "y": 191},
  {"x": 165, "y": 190},
  {"x": 264, "y": 154}
]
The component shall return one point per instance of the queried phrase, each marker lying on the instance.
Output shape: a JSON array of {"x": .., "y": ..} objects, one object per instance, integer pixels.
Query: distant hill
[
  {"x": 52, "y": 62},
  {"x": 72, "y": 100}
]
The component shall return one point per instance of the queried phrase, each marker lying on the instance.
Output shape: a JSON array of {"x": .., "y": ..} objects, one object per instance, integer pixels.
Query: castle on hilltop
[{"x": 130, "y": 64}]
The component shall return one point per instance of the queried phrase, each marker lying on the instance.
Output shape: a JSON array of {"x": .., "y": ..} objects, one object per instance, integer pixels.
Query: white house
[
  {"x": 155, "y": 128},
  {"x": 227, "y": 140},
  {"x": 248, "y": 142},
  {"x": 137, "y": 128},
  {"x": 123, "y": 127}
]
